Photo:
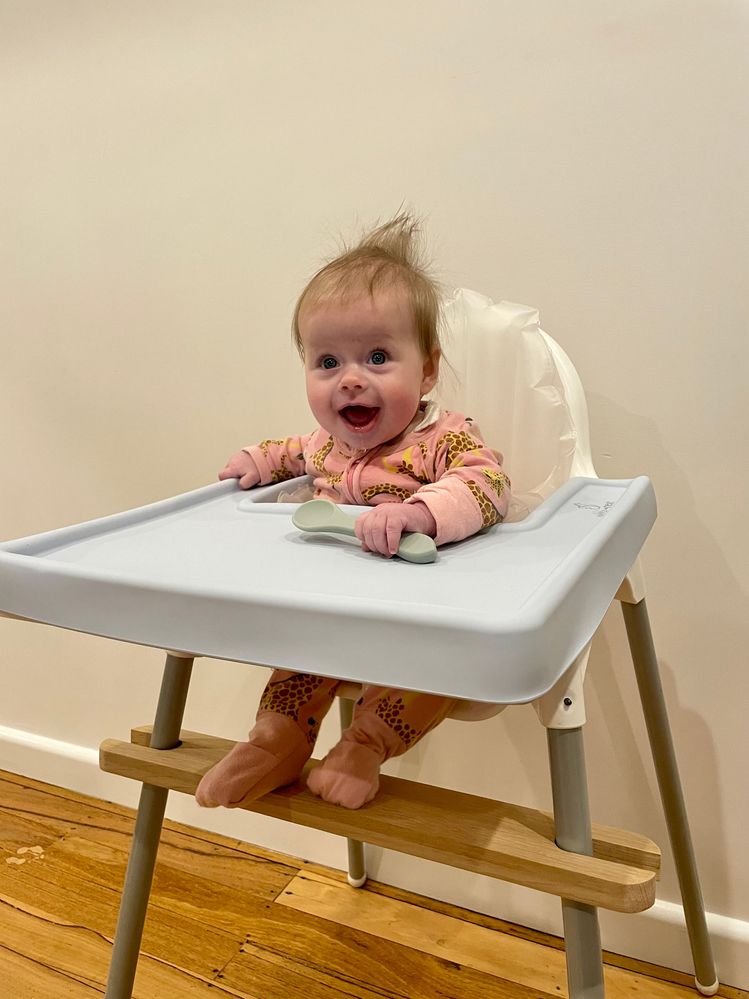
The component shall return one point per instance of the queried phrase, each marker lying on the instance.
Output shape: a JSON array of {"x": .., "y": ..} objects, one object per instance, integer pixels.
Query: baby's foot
[
  {"x": 349, "y": 775},
  {"x": 273, "y": 757}
]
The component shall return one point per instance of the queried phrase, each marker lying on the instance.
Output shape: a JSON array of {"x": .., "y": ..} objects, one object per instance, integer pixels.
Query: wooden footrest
[{"x": 489, "y": 837}]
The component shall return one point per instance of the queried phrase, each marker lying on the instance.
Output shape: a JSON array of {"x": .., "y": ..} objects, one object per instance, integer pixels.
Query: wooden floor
[{"x": 227, "y": 919}]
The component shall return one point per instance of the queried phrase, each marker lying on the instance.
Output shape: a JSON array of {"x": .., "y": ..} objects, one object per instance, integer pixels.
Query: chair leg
[
  {"x": 134, "y": 903},
  {"x": 357, "y": 868},
  {"x": 569, "y": 787},
  {"x": 667, "y": 771}
]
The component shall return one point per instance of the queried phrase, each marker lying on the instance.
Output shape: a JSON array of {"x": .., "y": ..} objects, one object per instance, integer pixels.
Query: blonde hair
[{"x": 389, "y": 255}]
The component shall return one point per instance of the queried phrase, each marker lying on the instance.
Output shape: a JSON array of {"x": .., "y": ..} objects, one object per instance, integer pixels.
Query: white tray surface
[{"x": 224, "y": 572}]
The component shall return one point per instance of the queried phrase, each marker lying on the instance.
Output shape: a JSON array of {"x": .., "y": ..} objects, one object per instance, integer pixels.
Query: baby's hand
[
  {"x": 241, "y": 466},
  {"x": 380, "y": 529}
]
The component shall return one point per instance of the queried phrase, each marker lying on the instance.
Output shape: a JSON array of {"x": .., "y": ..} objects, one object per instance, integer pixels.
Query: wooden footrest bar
[{"x": 500, "y": 840}]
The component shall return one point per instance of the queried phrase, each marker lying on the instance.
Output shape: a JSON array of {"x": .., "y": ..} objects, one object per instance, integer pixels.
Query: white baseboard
[{"x": 658, "y": 935}]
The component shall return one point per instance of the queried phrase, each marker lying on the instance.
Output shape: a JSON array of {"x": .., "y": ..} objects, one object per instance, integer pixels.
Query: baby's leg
[
  {"x": 281, "y": 742},
  {"x": 386, "y": 723}
]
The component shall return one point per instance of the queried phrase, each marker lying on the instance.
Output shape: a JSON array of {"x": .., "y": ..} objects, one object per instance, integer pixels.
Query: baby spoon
[{"x": 323, "y": 516}]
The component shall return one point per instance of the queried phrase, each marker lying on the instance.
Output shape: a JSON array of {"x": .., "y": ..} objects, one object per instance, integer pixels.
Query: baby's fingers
[
  {"x": 248, "y": 480},
  {"x": 393, "y": 536},
  {"x": 376, "y": 541},
  {"x": 359, "y": 527},
  {"x": 371, "y": 536}
]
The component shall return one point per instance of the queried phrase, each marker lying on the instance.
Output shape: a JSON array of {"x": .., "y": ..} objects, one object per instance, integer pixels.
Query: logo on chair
[{"x": 597, "y": 509}]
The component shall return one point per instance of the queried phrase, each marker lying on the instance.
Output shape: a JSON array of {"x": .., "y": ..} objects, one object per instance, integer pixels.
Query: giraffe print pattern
[
  {"x": 265, "y": 446},
  {"x": 390, "y": 711},
  {"x": 283, "y": 473},
  {"x": 458, "y": 444},
  {"x": 451, "y": 449},
  {"x": 406, "y": 467},
  {"x": 388, "y": 489},
  {"x": 318, "y": 458},
  {"x": 489, "y": 514},
  {"x": 318, "y": 463},
  {"x": 498, "y": 481},
  {"x": 290, "y": 696}
]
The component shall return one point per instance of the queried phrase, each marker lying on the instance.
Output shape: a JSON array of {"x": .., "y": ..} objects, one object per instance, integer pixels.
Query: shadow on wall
[{"x": 699, "y": 615}]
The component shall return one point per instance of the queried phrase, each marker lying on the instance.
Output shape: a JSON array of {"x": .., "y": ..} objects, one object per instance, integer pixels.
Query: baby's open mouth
[{"x": 360, "y": 417}]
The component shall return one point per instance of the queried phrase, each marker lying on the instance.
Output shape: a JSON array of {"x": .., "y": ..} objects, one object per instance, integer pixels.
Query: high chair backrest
[{"x": 522, "y": 390}]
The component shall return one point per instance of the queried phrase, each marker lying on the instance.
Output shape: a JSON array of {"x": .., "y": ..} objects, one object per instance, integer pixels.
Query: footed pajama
[
  {"x": 288, "y": 721},
  {"x": 386, "y": 723}
]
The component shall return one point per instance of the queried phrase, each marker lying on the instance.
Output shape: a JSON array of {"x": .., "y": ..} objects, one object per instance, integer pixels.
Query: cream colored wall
[{"x": 172, "y": 172}]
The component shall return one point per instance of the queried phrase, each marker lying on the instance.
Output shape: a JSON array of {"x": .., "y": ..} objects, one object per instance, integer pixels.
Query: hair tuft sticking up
[{"x": 388, "y": 255}]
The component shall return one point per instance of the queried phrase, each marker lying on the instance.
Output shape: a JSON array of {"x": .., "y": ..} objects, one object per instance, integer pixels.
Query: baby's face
[{"x": 365, "y": 371}]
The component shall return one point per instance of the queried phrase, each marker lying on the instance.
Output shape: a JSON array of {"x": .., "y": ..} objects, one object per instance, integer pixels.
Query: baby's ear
[{"x": 431, "y": 371}]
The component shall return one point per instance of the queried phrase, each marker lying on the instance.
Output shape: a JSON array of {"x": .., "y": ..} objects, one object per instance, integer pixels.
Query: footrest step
[{"x": 476, "y": 834}]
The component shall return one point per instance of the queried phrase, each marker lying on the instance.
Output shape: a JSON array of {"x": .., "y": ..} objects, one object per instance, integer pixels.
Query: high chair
[{"x": 502, "y": 618}]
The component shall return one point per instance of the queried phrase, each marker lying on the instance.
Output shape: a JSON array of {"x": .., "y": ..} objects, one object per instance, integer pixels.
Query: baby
[{"x": 366, "y": 327}]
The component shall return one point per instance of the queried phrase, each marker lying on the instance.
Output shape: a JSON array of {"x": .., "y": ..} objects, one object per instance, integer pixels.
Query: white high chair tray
[{"x": 224, "y": 573}]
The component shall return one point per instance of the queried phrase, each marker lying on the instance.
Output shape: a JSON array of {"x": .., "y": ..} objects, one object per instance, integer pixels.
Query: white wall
[{"x": 172, "y": 172}]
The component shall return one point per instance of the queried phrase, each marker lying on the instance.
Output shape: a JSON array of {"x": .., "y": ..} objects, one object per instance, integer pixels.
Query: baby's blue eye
[
  {"x": 328, "y": 363},
  {"x": 378, "y": 357}
]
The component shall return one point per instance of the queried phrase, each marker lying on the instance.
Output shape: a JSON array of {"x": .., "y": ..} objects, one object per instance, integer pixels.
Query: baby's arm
[
  {"x": 470, "y": 490},
  {"x": 269, "y": 461}
]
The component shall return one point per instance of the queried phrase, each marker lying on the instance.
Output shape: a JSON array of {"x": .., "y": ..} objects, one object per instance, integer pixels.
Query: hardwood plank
[
  {"x": 489, "y": 837},
  {"x": 292, "y": 953},
  {"x": 643, "y": 969},
  {"x": 445, "y": 937},
  {"x": 23, "y": 979},
  {"x": 247, "y": 875},
  {"x": 83, "y": 954},
  {"x": 493, "y": 923},
  {"x": 522, "y": 961},
  {"x": 176, "y": 889},
  {"x": 62, "y": 807},
  {"x": 17, "y": 832},
  {"x": 205, "y": 882},
  {"x": 273, "y": 976},
  {"x": 285, "y": 953},
  {"x": 270, "y": 967},
  {"x": 169, "y": 935}
]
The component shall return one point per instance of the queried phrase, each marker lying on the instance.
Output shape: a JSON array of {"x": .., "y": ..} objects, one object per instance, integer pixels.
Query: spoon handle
[
  {"x": 337, "y": 527},
  {"x": 323, "y": 517}
]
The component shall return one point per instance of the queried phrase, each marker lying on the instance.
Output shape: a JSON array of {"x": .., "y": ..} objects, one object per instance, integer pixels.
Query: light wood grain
[
  {"x": 522, "y": 961},
  {"x": 22, "y": 976},
  {"x": 76, "y": 953},
  {"x": 52, "y": 949},
  {"x": 64, "y": 810},
  {"x": 295, "y": 954},
  {"x": 476, "y": 834}
]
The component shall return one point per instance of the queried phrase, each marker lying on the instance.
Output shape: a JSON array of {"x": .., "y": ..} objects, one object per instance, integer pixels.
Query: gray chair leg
[
  {"x": 357, "y": 869},
  {"x": 667, "y": 771},
  {"x": 569, "y": 787},
  {"x": 134, "y": 903}
]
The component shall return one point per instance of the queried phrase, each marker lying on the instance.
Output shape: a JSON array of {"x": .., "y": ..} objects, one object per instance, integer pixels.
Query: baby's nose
[{"x": 352, "y": 377}]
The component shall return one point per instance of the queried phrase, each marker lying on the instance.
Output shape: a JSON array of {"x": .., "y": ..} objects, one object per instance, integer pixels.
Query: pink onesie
[{"x": 439, "y": 460}]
